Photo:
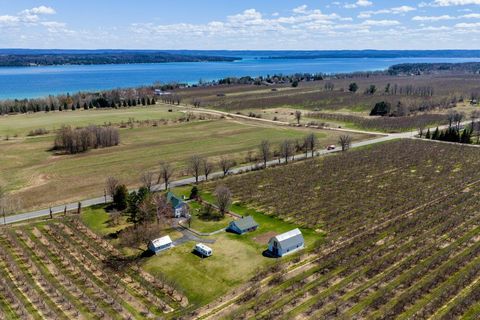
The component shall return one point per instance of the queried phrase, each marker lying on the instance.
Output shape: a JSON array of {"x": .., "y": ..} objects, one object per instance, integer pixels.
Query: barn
[
  {"x": 180, "y": 208},
  {"x": 243, "y": 225},
  {"x": 160, "y": 244},
  {"x": 286, "y": 243}
]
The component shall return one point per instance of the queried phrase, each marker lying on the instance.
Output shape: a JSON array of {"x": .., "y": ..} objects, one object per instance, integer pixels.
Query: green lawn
[
  {"x": 40, "y": 179},
  {"x": 206, "y": 226},
  {"x": 21, "y": 124}
]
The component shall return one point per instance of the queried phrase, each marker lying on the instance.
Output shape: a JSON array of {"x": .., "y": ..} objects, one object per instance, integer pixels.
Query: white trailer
[{"x": 203, "y": 250}]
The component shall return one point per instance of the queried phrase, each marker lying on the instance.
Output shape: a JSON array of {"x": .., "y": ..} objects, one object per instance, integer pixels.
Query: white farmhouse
[
  {"x": 160, "y": 244},
  {"x": 286, "y": 243}
]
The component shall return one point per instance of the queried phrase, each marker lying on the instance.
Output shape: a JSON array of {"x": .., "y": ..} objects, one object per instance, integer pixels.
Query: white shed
[
  {"x": 160, "y": 244},
  {"x": 286, "y": 243}
]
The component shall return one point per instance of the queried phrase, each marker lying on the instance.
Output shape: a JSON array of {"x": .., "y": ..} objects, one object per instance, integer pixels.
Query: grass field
[
  {"x": 236, "y": 258},
  {"x": 403, "y": 234},
  {"x": 22, "y": 124},
  {"x": 38, "y": 178}
]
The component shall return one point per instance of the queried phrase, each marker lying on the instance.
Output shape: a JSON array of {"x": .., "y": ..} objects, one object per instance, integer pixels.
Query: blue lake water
[{"x": 29, "y": 82}]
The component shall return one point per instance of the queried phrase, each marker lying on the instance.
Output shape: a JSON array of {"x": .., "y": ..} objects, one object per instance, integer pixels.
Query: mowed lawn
[
  {"x": 235, "y": 259},
  {"x": 22, "y": 124},
  {"x": 39, "y": 178}
]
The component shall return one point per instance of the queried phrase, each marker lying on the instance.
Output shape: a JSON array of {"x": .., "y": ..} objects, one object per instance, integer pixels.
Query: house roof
[
  {"x": 245, "y": 223},
  {"x": 161, "y": 241},
  {"x": 174, "y": 200},
  {"x": 289, "y": 238}
]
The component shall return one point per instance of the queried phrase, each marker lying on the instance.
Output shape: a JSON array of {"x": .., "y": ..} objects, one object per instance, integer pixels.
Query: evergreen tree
[
  {"x": 436, "y": 134},
  {"x": 428, "y": 135},
  {"x": 120, "y": 197},
  {"x": 85, "y": 106}
]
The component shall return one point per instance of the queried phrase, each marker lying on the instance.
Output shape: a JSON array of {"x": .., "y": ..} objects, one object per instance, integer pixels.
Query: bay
[{"x": 31, "y": 82}]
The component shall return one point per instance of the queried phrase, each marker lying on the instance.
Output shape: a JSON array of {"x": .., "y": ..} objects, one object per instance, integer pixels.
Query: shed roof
[
  {"x": 161, "y": 241},
  {"x": 245, "y": 223},
  {"x": 174, "y": 200},
  {"x": 289, "y": 238}
]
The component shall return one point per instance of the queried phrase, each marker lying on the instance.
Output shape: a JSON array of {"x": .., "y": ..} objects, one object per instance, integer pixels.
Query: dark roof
[
  {"x": 245, "y": 223},
  {"x": 174, "y": 200}
]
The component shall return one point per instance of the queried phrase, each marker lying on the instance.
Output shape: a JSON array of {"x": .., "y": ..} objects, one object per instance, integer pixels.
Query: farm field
[
  {"x": 22, "y": 124},
  {"x": 39, "y": 178},
  {"x": 62, "y": 270},
  {"x": 407, "y": 246}
]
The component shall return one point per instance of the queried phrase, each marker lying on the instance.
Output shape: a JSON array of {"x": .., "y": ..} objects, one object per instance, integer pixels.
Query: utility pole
[{"x": 105, "y": 195}]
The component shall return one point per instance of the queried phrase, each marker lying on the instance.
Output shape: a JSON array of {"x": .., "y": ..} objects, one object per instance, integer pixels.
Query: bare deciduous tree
[
  {"x": 194, "y": 166},
  {"x": 311, "y": 143},
  {"x": 207, "y": 168},
  {"x": 166, "y": 172},
  {"x": 164, "y": 211},
  {"x": 111, "y": 185},
  {"x": 298, "y": 116},
  {"x": 147, "y": 179},
  {"x": 345, "y": 141},
  {"x": 286, "y": 149},
  {"x": 226, "y": 164},
  {"x": 224, "y": 199},
  {"x": 265, "y": 152}
]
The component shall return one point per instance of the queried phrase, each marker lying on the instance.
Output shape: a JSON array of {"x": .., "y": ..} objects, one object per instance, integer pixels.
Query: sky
[{"x": 240, "y": 25}]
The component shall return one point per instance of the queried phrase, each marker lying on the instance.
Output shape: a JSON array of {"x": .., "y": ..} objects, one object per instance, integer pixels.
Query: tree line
[
  {"x": 118, "y": 98},
  {"x": 76, "y": 140}
]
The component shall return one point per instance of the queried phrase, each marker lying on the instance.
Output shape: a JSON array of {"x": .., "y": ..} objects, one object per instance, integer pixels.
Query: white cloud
[
  {"x": 448, "y": 3},
  {"x": 39, "y": 10},
  {"x": 471, "y": 16},
  {"x": 433, "y": 18},
  {"x": 468, "y": 25},
  {"x": 383, "y": 23},
  {"x": 395, "y": 10},
  {"x": 359, "y": 3}
]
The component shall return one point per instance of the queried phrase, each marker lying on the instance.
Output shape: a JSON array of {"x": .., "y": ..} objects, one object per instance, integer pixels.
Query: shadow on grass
[{"x": 268, "y": 254}]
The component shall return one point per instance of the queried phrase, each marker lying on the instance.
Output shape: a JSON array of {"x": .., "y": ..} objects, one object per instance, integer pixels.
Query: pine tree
[
  {"x": 436, "y": 134},
  {"x": 428, "y": 135}
]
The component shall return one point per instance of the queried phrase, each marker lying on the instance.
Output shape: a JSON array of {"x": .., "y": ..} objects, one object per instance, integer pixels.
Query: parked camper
[
  {"x": 331, "y": 147},
  {"x": 160, "y": 244},
  {"x": 203, "y": 250}
]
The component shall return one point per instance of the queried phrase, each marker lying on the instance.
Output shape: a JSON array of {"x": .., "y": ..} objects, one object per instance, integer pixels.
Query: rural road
[{"x": 182, "y": 182}]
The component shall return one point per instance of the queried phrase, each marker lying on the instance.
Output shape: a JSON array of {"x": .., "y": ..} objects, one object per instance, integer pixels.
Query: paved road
[{"x": 101, "y": 200}]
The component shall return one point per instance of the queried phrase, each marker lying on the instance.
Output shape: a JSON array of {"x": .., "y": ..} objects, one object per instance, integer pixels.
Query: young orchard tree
[
  {"x": 298, "y": 116},
  {"x": 265, "y": 151},
  {"x": 147, "y": 180},
  {"x": 111, "y": 185},
  {"x": 345, "y": 141},
  {"x": 207, "y": 168},
  {"x": 226, "y": 164},
  {"x": 223, "y": 199},
  {"x": 166, "y": 172},
  {"x": 194, "y": 166}
]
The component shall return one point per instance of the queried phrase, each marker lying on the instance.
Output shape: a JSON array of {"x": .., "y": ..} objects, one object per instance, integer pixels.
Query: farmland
[
  {"x": 407, "y": 247},
  {"x": 63, "y": 270},
  {"x": 40, "y": 178},
  {"x": 416, "y": 100}
]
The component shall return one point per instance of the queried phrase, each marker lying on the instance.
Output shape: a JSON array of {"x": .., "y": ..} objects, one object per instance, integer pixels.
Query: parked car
[{"x": 331, "y": 147}]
